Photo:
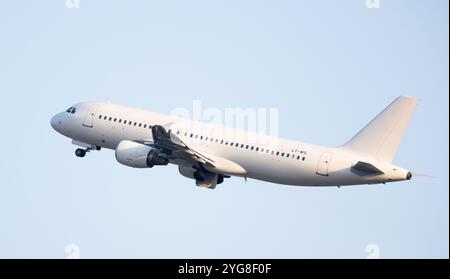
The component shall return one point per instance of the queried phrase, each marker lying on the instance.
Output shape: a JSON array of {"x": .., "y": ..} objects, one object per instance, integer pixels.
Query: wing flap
[{"x": 225, "y": 166}]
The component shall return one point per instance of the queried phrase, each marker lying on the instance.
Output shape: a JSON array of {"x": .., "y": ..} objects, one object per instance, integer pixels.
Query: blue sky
[{"x": 328, "y": 66}]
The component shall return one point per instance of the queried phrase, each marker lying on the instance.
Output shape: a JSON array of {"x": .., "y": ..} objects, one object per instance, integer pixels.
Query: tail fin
[{"x": 382, "y": 136}]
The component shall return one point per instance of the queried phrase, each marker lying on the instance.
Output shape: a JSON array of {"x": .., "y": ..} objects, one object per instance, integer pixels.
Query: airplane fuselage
[{"x": 262, "y": 157}]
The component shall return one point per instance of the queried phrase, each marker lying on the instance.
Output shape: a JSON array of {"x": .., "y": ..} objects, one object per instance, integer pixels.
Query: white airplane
[{"x": 209, "y": 153}]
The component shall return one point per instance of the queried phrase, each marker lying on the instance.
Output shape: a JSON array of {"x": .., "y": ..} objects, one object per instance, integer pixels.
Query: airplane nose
[{"x": 56, "y": 122}]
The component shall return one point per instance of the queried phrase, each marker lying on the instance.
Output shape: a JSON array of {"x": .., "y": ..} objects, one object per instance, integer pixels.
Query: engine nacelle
[
  {"x": 136, "y": 155},
  {"x": 187, "y": 172}
]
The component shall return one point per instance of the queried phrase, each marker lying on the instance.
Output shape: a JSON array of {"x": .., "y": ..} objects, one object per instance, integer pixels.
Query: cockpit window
[{"x": 71, "y": 110}]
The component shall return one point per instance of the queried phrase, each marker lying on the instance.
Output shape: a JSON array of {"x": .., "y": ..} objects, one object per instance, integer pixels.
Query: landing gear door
[
  {"x": 89, "y": 117},
  {"x": 324, "y": 163}
]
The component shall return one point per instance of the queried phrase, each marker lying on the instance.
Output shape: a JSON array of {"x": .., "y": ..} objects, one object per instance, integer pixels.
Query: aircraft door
[
  {"x": 89, "y": 117},
  {"x": 324, "y": 163}
]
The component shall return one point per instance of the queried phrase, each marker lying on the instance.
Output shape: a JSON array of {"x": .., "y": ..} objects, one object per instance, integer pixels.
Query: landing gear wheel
[{"x": 80, "y": 152}]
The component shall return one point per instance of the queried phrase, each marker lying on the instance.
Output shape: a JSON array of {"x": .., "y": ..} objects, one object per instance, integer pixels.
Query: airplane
[{"x": 210, "y": 153}]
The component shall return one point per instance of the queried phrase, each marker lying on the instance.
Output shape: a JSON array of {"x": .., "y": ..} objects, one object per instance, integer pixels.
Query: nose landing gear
[{"x": 82, "y": 152}]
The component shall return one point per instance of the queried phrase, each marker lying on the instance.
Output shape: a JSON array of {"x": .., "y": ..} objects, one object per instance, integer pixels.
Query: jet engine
[{"x": 136, "y": 155}]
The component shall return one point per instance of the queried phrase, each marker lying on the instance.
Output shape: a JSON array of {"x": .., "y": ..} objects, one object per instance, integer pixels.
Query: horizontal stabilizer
[{"x": 366, "y": 168}]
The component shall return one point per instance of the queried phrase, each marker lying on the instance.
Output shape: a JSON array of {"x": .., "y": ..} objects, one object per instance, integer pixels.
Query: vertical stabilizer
[{"x": 382, "y": 136}]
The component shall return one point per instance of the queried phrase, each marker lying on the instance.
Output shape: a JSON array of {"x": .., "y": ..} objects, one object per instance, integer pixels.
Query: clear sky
[{"x": 328, "y": 66}]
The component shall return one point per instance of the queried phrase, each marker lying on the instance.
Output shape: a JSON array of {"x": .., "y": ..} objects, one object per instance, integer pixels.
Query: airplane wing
[{"x": 175, "y": 149}]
